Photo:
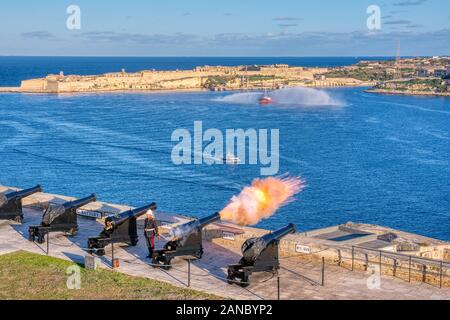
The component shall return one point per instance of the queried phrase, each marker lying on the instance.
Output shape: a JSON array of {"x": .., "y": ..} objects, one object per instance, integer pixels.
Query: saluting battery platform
[
  {"x": 258, "y": 255},
  {"x": 120, "y": 228},
  {"x": 186, "y": 241},
  {"x": 59, "y": 217},
  {"x": 11, "y": 203}
]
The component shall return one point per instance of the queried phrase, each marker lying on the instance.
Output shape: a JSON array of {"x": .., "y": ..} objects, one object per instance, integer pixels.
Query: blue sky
[{"x": 224, "y": 28}]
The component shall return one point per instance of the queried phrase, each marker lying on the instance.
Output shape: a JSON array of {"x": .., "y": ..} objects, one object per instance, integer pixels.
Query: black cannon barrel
[
  {"x": 202, "y": 222},
  {"x": 252, "y": 248},
  {"x": 23, "y": 193},
  {"x": 184, "y": 230},
  {"x": 80, "y": 202},
  {"x": 115, "y": 221},
  {"x": 208, "y": 220},
  {"x": 278, "y": 234}
]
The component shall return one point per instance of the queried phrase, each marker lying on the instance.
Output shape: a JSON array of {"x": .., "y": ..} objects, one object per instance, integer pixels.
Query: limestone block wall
[
  {"x": 301, "y": 246},
  {"x": 34, "y": 84}
]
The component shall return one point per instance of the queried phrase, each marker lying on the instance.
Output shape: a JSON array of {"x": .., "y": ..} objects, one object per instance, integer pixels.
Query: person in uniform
[{"x": 150, "y": 231}]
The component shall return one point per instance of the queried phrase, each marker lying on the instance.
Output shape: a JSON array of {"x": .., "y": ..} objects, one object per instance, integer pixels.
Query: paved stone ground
[{"x": 298, "y": 279}]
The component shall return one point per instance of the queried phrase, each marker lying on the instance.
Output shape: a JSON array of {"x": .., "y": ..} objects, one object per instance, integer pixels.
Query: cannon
[
  {"x": 59, "y": 217},
  {"x": 11, "y": 203},
  {"x": 258, "y": 255},
  {"x": 186, "y": 241},
  {"x": 120, "y": 228}
]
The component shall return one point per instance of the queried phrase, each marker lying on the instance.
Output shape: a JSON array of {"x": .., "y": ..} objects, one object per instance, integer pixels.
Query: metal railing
[{"x": 399, "y": 265}]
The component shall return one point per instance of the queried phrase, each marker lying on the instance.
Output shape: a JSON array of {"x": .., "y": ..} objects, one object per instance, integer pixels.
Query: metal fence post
[
  {"x": 366, "y": 266},
  {"x": 394, "y": 267},
  {"x": 424, "y": 273},
  {"x": 278, "y": 286},
  {"x": 48, "y": 243},
  {"x": 353, "y": 258},
  {"x": 112, "y": 255},
  {"x": 380, "y": 262},
  {"x": 323, "y": 271},
  {"x": 189, "y": 272},
  {"x": 409, "y": 270}
]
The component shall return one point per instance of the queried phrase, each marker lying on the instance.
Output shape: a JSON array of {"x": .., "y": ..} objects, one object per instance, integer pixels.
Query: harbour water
[{"x": 366, "y": 158}]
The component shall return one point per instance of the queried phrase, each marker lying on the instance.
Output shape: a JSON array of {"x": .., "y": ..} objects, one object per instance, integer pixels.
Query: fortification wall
[
  {"x": 34, "y": 84},
  {"x": 305, "y": 246}
]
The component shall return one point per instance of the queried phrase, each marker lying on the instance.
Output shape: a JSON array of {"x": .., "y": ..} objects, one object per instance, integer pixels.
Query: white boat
[{"x": 231, "y": 159}]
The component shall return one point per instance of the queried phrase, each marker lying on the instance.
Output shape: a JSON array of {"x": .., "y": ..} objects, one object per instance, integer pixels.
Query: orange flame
[{"x": 261, "y": 200}]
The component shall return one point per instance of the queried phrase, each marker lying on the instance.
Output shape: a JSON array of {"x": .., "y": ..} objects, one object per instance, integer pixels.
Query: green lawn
[{"x": 28, "y": 276}]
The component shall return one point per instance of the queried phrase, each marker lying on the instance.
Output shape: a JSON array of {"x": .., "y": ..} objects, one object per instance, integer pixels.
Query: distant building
[
  {"x": 446, "y": 78},
  {"x": 423, "y": 72},
  {"x": 253, "y": 68},
  {"x": 320, "y": 77},
  {"x": 439, "y": 73}
]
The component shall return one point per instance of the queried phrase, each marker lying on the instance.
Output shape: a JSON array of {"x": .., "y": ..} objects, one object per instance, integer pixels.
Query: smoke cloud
[{"x": 261, "y": 200}]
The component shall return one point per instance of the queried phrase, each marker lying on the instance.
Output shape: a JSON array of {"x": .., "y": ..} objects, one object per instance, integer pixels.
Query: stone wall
[
  {"x": 301, "y": 246},
  {"x": 181, "y": 79}
]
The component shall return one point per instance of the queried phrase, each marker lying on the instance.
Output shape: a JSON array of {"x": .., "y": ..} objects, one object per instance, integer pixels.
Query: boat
[
  {"x": 265, "y": 99},
  {"x": 231, "y": 159}
]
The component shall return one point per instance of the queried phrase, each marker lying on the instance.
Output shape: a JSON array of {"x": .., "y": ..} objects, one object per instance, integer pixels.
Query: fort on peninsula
[{"x": 200, "y": 78}]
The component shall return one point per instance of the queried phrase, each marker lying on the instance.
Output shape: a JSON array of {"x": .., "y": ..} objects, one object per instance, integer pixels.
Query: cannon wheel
[
  {"x": 199, "y": 254},
  {"x": 244, "y": 281},
  {"x": 155, "y": 261},
  {"x": 164, "y": 264},
  {"x": 230, "y": 277},
  {"x": 40, "y": 239},
  {"x": 18, "y": 219},
  {"x": 167, "y": 265}
]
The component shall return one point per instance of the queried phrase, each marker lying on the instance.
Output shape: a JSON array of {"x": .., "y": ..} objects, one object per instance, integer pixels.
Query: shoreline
[
  {"x": 410, "y": 94},
  {"x": 18, "y": 90},
  {"x": 6, "y": 90}
]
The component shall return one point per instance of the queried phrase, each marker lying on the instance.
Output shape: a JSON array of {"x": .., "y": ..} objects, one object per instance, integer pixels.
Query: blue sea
[{"x": 366, "y": 158}]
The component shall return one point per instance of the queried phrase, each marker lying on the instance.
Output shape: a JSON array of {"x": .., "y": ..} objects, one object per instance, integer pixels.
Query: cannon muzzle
[
  {"x": 185, "y": 230},
  {"x": 278, "y": 234},
  {"x": 114, "y": 221},
  {"x": 252, "y": 248},
  {"x": 17, "y": 195},
  {"x": 203, "y": 222},
  {"x": 76, "y": 204}
]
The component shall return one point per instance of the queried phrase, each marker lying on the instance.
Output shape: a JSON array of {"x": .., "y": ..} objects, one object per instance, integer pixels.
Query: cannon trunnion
[
  {"x": 59, "y": 218},
  {"x": 11, "y": 203},
  {"x": 119, "y": 229},
  {"x": 258, "y": 255},
  {"x": 186, "y": 242}
]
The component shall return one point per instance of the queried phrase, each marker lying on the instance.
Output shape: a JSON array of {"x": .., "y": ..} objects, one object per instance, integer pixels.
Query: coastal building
[
  {"x": 439, "y": 73},
  {"x": 423, "y": 72},
  {"x": 446, "y": 78}
]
